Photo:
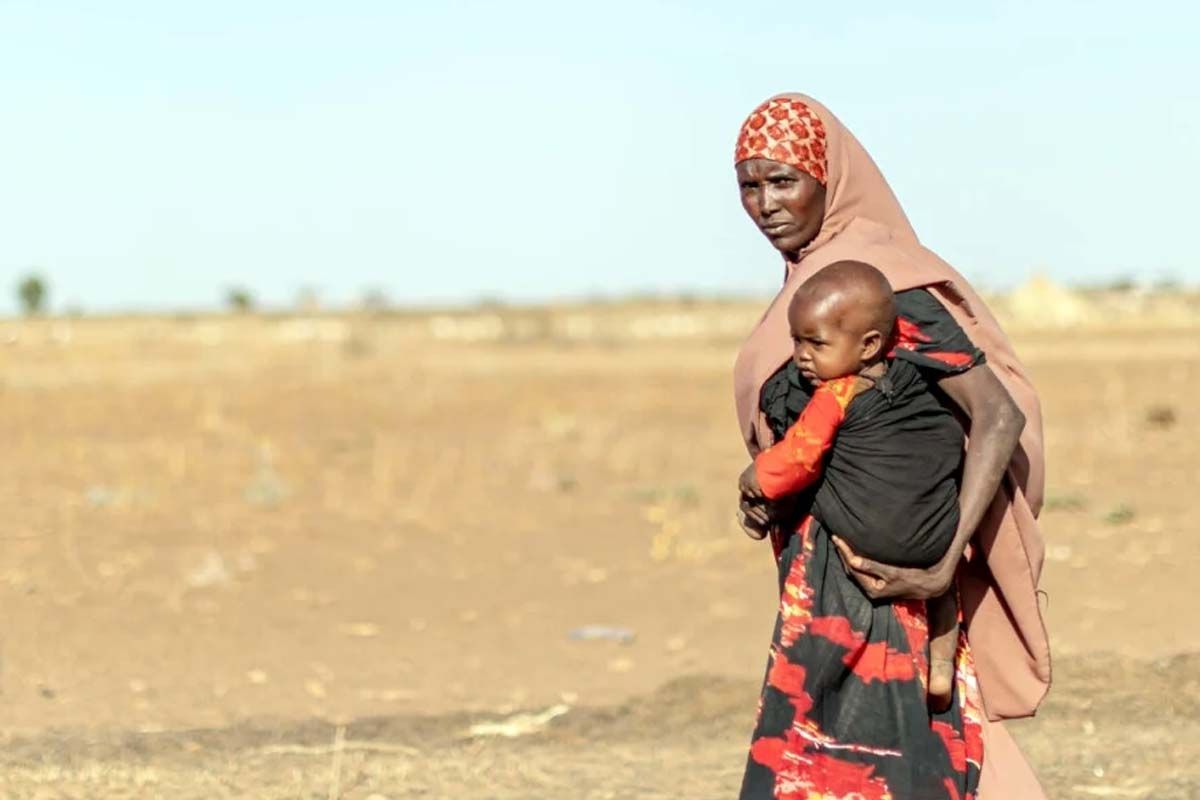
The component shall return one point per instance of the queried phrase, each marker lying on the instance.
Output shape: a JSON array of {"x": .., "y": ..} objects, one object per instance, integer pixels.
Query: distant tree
[
  {"x": 1121, "y": 283},
  {"x": 32, "y": 293},
  {"x": 1168, "y": 283},
  {"x": 489, "y": 302},
  {"x": 239, "y": 299},
  {"x": 375, "y": 301}
]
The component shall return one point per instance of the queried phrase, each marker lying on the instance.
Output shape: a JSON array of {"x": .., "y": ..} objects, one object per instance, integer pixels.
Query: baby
[{"x": 884, "y": 468}]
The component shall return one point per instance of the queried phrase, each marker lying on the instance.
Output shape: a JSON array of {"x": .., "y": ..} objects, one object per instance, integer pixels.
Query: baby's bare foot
[{"x": 941, "y": 685}]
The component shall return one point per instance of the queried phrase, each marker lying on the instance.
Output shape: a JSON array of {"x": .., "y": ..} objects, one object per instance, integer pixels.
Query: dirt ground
[{"x": 288, "y": 558}]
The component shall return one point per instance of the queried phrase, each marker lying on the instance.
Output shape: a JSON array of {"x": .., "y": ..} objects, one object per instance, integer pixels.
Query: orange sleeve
[{"x": 794, "y": 463}]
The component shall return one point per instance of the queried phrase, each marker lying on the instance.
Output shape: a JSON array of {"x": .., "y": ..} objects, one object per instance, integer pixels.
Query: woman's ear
[{"x": 872, "y": 343}]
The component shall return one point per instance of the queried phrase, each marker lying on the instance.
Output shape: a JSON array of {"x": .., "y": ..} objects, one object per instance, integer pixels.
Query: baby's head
[{"x": 842, "y": 319}]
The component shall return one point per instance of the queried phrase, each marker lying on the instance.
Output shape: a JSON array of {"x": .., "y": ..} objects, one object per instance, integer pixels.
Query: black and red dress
[{"x": 843, "y": 713}]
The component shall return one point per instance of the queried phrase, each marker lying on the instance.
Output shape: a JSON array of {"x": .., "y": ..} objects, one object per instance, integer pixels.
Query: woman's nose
[{"x": 768, "y": 204}]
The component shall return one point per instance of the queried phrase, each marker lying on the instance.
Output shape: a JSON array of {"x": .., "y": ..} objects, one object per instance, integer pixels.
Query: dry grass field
[{"x": 343, "y": 556}]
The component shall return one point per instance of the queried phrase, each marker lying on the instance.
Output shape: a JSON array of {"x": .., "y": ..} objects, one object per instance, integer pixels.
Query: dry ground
[{"x": 287, "y": 558}]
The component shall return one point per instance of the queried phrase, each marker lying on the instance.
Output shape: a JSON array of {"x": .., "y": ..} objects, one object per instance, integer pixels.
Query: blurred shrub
[
  {"x": 1064, "y": 502},
  {"x": 1120, "y": 515},
  {"x": 32, "y": 292},
  {"x": 239, "y": 299}
]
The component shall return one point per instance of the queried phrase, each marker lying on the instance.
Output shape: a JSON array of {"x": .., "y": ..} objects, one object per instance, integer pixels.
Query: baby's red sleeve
[{"x": 794, "y": 463}]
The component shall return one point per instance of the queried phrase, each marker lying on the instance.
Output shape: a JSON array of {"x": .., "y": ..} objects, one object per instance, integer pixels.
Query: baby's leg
[{"x": 943, "y": 643}]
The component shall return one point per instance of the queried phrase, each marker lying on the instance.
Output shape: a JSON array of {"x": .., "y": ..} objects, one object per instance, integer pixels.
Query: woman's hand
[
  {"x": 758, "y": 516},
  {"x": 751, "y": 524},
  {"x": 753, "y": 517},
  {"x": 754, "y": 511},
  {"x": 881, "y": 581},
  {"x": 748, "y": 483}
]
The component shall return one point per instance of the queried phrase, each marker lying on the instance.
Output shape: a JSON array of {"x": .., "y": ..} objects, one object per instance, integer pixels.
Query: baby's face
[{"x": 824, "y": 346}]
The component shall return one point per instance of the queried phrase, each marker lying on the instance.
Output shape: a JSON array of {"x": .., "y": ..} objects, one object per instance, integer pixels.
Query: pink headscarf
[{"x": 864, "y": 222}]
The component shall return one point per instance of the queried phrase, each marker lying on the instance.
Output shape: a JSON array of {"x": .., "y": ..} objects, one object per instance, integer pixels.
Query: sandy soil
[
  {"x": 1103, "y": 734},
  {"x": 258, "y": 565}
]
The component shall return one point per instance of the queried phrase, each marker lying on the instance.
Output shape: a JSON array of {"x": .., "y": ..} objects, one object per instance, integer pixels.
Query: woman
[{"x": 843, "y": 712}]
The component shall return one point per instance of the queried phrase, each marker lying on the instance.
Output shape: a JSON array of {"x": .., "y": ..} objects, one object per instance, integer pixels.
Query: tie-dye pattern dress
[{"x": 843, "y": 712}]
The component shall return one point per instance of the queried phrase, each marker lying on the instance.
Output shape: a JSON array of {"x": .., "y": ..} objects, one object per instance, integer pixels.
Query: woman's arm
[{"x": 995, "y": 428}]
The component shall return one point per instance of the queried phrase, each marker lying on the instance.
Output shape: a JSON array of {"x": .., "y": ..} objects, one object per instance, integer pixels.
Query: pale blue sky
[{"x": 156, "y": 152}]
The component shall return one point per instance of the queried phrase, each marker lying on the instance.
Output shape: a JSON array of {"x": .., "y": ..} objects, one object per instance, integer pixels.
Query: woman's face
[{"x": 787, "y": 205}]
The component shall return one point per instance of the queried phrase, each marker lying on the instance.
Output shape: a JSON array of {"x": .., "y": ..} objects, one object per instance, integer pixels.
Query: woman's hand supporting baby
[
  {"x": 754, "y": 515},
  {"x": 880, "y": 581}
]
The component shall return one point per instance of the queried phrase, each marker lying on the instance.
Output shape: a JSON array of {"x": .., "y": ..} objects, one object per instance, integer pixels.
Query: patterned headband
[{"x": 787, "y": 131}]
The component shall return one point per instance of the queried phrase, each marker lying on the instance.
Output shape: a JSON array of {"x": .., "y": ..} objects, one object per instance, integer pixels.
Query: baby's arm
[{"x": 794, "y": 463}]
